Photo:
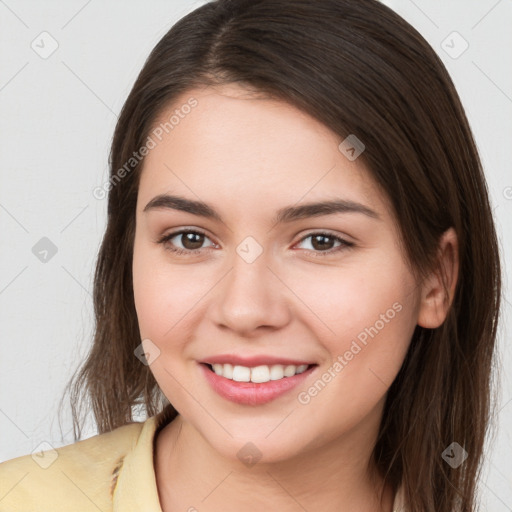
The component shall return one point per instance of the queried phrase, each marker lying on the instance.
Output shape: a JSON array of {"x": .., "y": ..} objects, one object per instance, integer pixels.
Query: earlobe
[{"x": 438, "y": 288}]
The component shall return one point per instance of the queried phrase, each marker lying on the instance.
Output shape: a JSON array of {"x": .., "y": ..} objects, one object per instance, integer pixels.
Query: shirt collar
[
  {"x": 398, "y": 504},
  {"x": 136, "y": 488}
]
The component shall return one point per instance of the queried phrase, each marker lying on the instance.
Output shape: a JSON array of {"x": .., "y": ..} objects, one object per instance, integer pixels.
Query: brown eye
[
  {"x": 323, "y": 244},
  {"x": 191, "y": 241}
]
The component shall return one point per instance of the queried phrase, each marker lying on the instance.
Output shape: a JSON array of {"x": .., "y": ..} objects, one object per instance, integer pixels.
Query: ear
[{"x": 438, "y": 288}]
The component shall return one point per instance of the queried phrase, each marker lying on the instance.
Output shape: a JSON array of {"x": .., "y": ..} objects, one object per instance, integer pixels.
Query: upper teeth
[{"x": 257, "y": 374}]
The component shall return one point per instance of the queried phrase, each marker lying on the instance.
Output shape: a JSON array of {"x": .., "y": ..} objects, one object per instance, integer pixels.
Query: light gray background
[{"x": 57, "y": 118}]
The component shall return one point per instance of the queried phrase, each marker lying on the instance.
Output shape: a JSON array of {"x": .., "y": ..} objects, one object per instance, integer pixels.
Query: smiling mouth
[{"x": 257, "y": 374}]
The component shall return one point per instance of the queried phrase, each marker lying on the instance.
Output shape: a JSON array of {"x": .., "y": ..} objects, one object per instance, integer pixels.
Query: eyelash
[{"x": 179, "y": 251}]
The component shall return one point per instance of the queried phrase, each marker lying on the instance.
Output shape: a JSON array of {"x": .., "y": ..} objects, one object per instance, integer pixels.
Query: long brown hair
[{"x": 359, "y": 68}]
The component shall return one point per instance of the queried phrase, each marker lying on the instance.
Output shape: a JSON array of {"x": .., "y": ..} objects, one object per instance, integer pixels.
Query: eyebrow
[{"x": 287, "y": 214}]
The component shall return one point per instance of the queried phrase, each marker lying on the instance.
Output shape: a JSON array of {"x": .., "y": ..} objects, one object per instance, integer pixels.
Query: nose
[{"x": 251, "y": 298}]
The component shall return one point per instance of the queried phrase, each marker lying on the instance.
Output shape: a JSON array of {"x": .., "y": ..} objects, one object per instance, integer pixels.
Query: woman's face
[{"x": 266, "y": 275}]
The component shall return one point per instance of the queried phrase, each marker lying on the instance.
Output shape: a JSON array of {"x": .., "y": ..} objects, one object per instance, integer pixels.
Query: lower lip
[{"x": 251, "y": 393}]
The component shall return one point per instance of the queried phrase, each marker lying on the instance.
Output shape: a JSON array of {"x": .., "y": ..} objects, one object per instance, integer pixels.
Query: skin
[{"x": 248, "y": 157}]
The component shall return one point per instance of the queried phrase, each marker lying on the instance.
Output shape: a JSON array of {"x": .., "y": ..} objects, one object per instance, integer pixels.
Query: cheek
[
  {"x": 370, "y": 320},
  {"x": 367, "y": 315},
  {"x": 164, "y": 301},
  {"x": 166, "y": 296}
]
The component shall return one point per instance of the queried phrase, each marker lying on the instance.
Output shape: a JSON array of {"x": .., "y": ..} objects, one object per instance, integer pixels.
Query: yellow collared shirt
[{"x": 111, "y": 472}]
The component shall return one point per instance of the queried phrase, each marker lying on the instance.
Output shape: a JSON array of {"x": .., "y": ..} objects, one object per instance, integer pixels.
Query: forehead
[{"x": 238, "y": 145}]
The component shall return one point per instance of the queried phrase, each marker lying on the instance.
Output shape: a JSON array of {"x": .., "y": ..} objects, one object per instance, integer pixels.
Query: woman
[{"x": 299, "y": 280}]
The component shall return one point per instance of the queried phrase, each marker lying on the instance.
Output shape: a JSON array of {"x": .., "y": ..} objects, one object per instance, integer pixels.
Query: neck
[{"x": 331, "y": 476}]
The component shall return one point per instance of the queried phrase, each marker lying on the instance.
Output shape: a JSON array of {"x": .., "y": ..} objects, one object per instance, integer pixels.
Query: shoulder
[{"x": 79, "y": 476}]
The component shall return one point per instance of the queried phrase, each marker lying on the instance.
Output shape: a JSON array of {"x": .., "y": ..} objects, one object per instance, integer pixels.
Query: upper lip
[{"x": 251, "y": 361}]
